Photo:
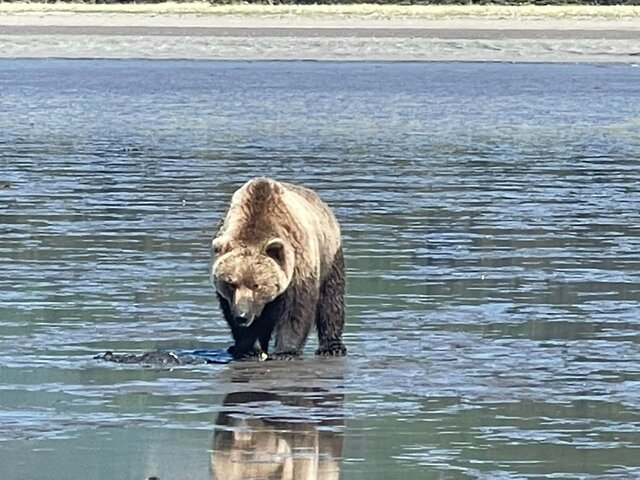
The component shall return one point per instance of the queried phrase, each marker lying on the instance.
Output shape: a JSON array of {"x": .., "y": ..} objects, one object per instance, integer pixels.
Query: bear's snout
[{"x": 244, "y": 308}]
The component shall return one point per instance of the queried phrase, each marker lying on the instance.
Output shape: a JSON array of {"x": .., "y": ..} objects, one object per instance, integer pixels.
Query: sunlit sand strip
[
  {"x": 322, "y": 16},
  {"x": 321, "y": 32},
  {"x": 365, "y": 10}
]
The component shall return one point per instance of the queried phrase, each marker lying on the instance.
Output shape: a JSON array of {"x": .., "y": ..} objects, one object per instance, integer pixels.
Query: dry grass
[{"x": 354, "y": 10}]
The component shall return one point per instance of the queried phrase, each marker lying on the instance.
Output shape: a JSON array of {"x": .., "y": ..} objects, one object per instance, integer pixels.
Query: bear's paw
[
  {"x": 332, "y": 350},
  {"x": 292, "y": 355}
]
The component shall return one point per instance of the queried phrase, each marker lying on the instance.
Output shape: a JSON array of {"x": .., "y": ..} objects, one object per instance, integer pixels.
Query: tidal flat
[{"x": 199, "y": 31}]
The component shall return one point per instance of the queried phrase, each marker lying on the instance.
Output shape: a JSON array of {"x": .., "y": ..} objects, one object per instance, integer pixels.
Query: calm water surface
[{"x": 491, "y": 217}]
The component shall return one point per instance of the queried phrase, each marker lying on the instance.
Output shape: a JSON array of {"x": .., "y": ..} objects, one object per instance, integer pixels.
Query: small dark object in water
[
  {"x": 166, "y": 357},
  {"x": 5, "y": 184}
]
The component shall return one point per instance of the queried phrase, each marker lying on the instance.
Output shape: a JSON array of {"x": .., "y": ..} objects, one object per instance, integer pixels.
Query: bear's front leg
[
  {"x": 244, "y": 338},
  {"x": 293, "y": 327},
  {"x": 288, "y": 342},
  {"x": 247, "y": 344}
]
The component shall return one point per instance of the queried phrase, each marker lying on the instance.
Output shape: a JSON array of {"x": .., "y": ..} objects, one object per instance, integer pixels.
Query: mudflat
[{"x": 196, "y": 31}]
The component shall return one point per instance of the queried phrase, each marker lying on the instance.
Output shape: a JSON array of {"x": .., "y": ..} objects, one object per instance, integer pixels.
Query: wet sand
[{"x": 295, "y": 36}]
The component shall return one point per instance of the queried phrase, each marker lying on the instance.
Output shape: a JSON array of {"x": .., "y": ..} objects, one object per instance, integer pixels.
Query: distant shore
[
  {"x": 351, "y": 10},
  {"x": 321, "y": 32}
]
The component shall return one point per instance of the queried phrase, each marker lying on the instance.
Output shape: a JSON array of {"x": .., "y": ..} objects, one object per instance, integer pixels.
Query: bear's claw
[{"x": 338, "y": 350}]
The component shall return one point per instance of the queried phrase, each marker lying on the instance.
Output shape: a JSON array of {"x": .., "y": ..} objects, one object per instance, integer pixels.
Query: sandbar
[{"x": 353, "y": 33}]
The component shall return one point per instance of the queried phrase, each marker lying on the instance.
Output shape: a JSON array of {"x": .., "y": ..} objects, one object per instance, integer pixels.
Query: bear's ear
[
  {"x": 275, "y": 249},
  {"x": 216, "y": 245}
]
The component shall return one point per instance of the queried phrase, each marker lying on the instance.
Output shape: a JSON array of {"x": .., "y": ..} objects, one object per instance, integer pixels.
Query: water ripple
[{"x": 491, "y": 223}]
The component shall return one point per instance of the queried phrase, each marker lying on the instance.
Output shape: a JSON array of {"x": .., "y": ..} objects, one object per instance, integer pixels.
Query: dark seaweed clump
[{"x": 167, "y": 357}]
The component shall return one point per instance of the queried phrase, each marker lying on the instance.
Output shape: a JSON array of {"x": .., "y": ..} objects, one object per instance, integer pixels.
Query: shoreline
[
  {"x": 321, "y": 32},
  {"x": 365, "y": 10}
]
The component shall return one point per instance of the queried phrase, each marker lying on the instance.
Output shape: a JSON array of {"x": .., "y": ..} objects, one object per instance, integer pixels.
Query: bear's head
[{"x": 249, "y": 275}]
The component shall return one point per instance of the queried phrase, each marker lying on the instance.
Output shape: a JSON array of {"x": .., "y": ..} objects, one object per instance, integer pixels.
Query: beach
[{"x": 357, "y": 33}]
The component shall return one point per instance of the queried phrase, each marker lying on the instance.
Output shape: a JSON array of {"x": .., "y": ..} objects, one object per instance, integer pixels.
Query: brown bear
[{"x": 277, "y": 268}]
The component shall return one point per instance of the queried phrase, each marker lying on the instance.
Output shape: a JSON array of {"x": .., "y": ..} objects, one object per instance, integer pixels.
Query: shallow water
[{"x": 491, "y": 220}]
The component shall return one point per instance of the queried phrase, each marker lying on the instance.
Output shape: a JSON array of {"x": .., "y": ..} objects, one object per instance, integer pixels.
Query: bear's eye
[{"x": 256, "y": 286}]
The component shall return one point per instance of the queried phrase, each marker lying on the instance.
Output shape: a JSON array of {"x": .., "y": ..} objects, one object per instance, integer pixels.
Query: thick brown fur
[{"x": 279, "y": 269}]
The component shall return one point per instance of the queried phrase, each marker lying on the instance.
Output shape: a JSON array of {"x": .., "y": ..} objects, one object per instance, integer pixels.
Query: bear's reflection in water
[{"x": 296, "y": 436}]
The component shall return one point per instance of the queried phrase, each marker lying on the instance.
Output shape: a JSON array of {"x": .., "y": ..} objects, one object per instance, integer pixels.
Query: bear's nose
[
  {"x": 243, "y": 306},
  {"x": 243, "y": 319}
]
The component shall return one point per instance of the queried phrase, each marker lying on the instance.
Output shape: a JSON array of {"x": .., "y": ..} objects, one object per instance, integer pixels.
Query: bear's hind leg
[{"x": 330, "y": 310}]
